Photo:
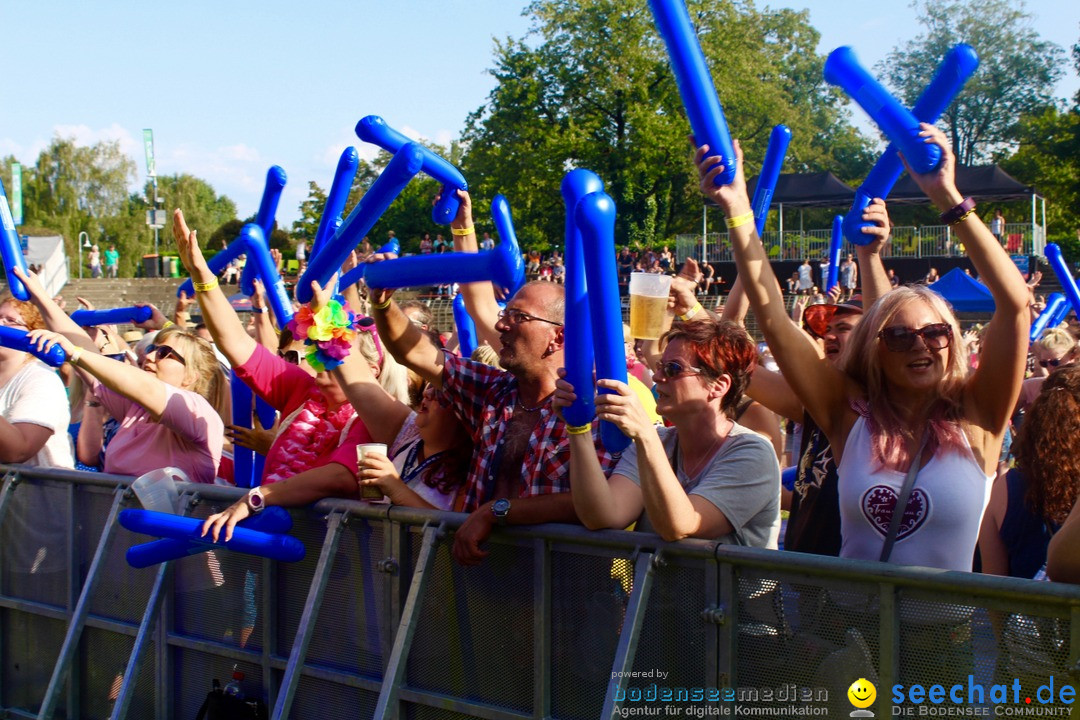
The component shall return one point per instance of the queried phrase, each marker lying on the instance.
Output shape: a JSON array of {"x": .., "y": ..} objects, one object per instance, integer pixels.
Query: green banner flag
[
  {"x": 148, "y": 142},
  {"x": 16, "y": 193}
]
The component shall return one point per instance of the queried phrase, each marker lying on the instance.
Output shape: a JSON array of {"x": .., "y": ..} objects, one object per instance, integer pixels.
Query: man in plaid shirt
[{"x": 520, "y": 474}]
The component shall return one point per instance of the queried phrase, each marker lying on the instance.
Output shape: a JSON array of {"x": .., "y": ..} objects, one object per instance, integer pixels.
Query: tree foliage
[
  {"x": 1016, "y": 75},
  {"x": 591, "y": 87}
]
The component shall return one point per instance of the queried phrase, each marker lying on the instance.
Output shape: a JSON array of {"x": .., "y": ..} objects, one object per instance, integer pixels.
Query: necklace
[{"x": 526, "y": 408}]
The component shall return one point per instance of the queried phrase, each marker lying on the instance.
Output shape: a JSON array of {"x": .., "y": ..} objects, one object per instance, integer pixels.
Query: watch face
[
  {"x": 255, "y": 500},
  {"x": 501, "y": 507}
]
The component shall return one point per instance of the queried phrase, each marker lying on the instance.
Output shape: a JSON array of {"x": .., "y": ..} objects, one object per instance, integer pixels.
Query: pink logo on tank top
[{"x": 879, "y": 503}]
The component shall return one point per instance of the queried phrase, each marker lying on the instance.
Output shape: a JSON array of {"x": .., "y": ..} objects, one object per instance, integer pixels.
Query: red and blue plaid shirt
[{"x": 483, "y": 398}]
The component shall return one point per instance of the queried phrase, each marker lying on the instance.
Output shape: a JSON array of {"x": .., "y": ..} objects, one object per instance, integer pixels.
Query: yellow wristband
[
  {"x": 168, "y": 324},
  {"x": 691, "y": 312},
  {"x": 462, "y": 232},
  {"x": 383, "y": 306},
  {"x": 74, "y": 357},
  {"x": 962, "y": 218},
  {"x": 204, "y": 287},
  {"x": 738, "y": 220},
  {"x": 579, "y": 429}
]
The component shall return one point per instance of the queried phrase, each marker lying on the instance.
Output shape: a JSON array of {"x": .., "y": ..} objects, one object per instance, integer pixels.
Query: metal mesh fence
[{"x": 711, "y": 618}]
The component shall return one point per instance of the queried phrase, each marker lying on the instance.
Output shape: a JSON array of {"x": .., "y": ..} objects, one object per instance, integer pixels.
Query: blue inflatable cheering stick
[
  {"x": 116, "y": 316},
  {"x": 504, "y": 226},
  {"x": 466, "y": 327},
  {"x": 836, "y": 244},
  {"x": 336, "y": 199},
  {"x": 11, "y": 250},
  {"x": 271, "y": 520},
  {"x": 955, "y": 69},
  {"x": 595, "y": 216},
  {"x": 1048, "y": 317},
  {"x": 17, "y": 340},
  {"x": 695, "y": 83},
  {"x": 779, "y": 140},
  {"x": 578, "y": 331},
  {"x": 1064, "y": 276},
  {"x": 275, "y": 184},
  {"x": 399, "y": 171},
  {"x": 265, "y": 269},
  {"x": 275, "y": 546},
  {"x": 895, "y": 120},
  {"x": 373, "y": 129},
  {"x": 357, "y": 273}
]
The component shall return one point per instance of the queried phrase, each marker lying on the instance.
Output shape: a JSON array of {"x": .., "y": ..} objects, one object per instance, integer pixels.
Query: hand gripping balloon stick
[
  {"x": 265, "y": 269},
  {"x": 11, "y": 250},
  {"x": 1048, "y": 317},
  {"x": 955, "y": 69},
  {"x": 577, "y": 331},
  {"x": 335, "y": 201},
  {"x": 373, "y": 129},
  {"x": 275, "y": 546},
  {"x": 695, "y": 83},
  {"x": 503, "y": 266},
  {"x": 275, "y": 183},
  {"x": 836, "y": 245},
  {"x": 595, "y": 217},
  {"x": 357, "y": 273},
  {"x": 116, "y": 316},
  {"x": 17, "y": 340},
  {"x": 271, "y": 520},
  {"x": 400, "y": 170},
  {"x": 466, "y": 328},
  {"x": 1064, "y": 276},
  {"x": 779, "y": 140},
  {"x": 895, "y": 120}
]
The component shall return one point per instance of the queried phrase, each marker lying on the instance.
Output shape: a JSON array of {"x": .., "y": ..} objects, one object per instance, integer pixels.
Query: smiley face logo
[{"x": 862, "y": 693}]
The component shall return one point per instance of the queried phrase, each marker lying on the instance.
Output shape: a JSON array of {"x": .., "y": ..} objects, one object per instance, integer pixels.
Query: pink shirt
[{"x": 188, "y": 436}]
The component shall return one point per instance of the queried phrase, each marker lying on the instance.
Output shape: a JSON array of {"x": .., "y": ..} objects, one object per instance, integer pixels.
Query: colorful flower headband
[{"x": 328, "y": 333}]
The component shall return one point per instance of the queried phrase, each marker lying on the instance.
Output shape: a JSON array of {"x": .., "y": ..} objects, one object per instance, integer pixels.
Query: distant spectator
[
  {"x": 112, "y": 261},
  {"x": 997, "y": 225},
  {"x": 487, "y": 243},
  {"x": 95, "y": 262},
  {"x": 301, "y": 251}
]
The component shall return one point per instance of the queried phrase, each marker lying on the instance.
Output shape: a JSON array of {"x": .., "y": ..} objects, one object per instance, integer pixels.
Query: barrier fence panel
[{"x": 379, "y": 621}]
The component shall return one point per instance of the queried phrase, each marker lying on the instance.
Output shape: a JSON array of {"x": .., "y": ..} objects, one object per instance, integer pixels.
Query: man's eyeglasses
[
  {"x": 516, "y": 317},
  {"x": 162, "y": 352},
  {"x": 936, "y": 336},
  {"x": 673, "y": 369}
]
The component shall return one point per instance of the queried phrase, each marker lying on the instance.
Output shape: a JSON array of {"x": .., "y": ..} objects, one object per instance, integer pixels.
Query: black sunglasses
[
  {"x": 673, "y": 369},
  {"x": 936, "y": 336},
  {"x": 164, "y": 351},
  {"x": 119, "y": 357},
  {"x": 1055, "y": 362},
  {"x": 290, "y": 356},
  {"x": 516, "y": 317}
]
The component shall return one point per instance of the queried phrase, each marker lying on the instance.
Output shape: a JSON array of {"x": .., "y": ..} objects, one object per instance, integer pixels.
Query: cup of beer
[
  {"x": 648, "y": 304},
  {"x": 369, "y": 492}
]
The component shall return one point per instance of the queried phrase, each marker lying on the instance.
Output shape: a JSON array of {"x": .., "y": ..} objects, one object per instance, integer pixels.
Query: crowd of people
[{"x": 915, "y": 442}]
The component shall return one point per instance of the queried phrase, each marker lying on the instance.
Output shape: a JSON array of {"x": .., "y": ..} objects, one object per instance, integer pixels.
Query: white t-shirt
[
  {"x": 806, "y": 277},
  {"x": 742, "y": 481},
  {"x": 36, "y": 396}
]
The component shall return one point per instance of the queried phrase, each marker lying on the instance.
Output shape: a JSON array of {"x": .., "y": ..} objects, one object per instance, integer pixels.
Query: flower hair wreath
[{"x": 328, "y": 333}]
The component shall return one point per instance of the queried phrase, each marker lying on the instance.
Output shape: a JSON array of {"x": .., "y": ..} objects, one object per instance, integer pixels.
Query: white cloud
[{"x": 84, "y": 136}]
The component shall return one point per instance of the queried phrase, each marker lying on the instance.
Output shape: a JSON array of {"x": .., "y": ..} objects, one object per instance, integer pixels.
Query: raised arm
[
  {"x": 823, "y": 389},
  {"x": 55, "y": 318},
  {"x": 992, "y": 390},
  {"x": 479, "y": 296},
  {"x": 875, "y": 281},
  {"x": 221, "y": 320},
  {"x": 406, "y": 342}
]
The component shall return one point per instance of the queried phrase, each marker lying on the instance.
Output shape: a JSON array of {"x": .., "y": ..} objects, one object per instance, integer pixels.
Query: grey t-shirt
[{"x": 742, "y": 481}]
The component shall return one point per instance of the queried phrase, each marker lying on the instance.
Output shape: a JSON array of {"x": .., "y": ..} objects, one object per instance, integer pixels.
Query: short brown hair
[{"x": 720, "y": 347}]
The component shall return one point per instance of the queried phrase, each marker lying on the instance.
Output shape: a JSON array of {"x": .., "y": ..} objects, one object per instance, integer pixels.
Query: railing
[
  {"x": 378, "y": 621},
  {"x": 907, "y": 241}
]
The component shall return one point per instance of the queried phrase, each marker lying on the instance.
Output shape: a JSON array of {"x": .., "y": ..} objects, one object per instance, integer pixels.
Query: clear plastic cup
[
  {"x": 156, "y": 489},
  {"x": 648, "y": 304},
  {"x": 368, "y": 492}
]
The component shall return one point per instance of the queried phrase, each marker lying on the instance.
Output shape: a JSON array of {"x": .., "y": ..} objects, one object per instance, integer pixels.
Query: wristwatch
[
  {"x": 255, "y": 500},
  {"x": 500, "y": 509}
]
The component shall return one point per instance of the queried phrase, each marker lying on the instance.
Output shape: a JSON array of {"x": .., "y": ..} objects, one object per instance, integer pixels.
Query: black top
[{"x": 814, "y": 520}]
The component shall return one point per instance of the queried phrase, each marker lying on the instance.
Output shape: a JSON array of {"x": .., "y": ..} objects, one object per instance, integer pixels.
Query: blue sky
[{"x": 233, "y": 87}]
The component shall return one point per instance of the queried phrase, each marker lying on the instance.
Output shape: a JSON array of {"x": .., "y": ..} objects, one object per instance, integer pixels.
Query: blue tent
[{"x": 964, "y": 293}]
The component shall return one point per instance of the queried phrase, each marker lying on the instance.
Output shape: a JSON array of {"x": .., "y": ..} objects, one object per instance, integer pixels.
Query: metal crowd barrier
[{"x": 558, "y": 622}]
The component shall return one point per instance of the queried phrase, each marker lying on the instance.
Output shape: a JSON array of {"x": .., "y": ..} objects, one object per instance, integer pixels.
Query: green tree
[
  {"x": 1016, "y": 75},
  {"x": 311, "y": 210},
  {"x": 591, "y": 87}
]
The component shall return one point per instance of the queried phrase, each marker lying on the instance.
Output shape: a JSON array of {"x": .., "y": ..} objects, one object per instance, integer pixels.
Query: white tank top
[{"x": 941, "y": 524}]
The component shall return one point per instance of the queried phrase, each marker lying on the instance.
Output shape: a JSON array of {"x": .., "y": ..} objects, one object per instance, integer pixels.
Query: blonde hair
[
  {"x": 487, "y": 355},
  {"x": 210, "y": 380},
  {"x": 862, "y": 363},
  {"x": 393, "y": 376},
  {"x": 1057, "y": 339}
]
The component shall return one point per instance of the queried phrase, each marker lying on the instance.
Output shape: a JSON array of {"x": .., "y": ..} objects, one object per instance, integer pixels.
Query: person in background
[
  {"x": 112, "y": 261},
  {"x": 95, "y": 261},
  {"x": 997, "y": 226}
]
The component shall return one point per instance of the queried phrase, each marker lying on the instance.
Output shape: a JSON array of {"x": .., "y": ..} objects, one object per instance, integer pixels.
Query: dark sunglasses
[
  {"x": 162, "y": 352},
  {"x": 1055, "y": 362},
  {"x": 936, "y": 336},
  {"x": 119, "y": 357},
  {"x": 673, "y": 369},
  {"x": 516, "y": 317},
  {"x": 290, "y": 356}
]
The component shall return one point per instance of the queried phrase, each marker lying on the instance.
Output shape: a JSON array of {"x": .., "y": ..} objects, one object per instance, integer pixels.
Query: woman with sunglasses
[
  {"x": 315, "y": 448},
  {"x": 168, "y": 408},
  {"x": 34, "y": 414},
  {"x": 704, "y": 477},
  {"x": 902, "y": 395}
]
